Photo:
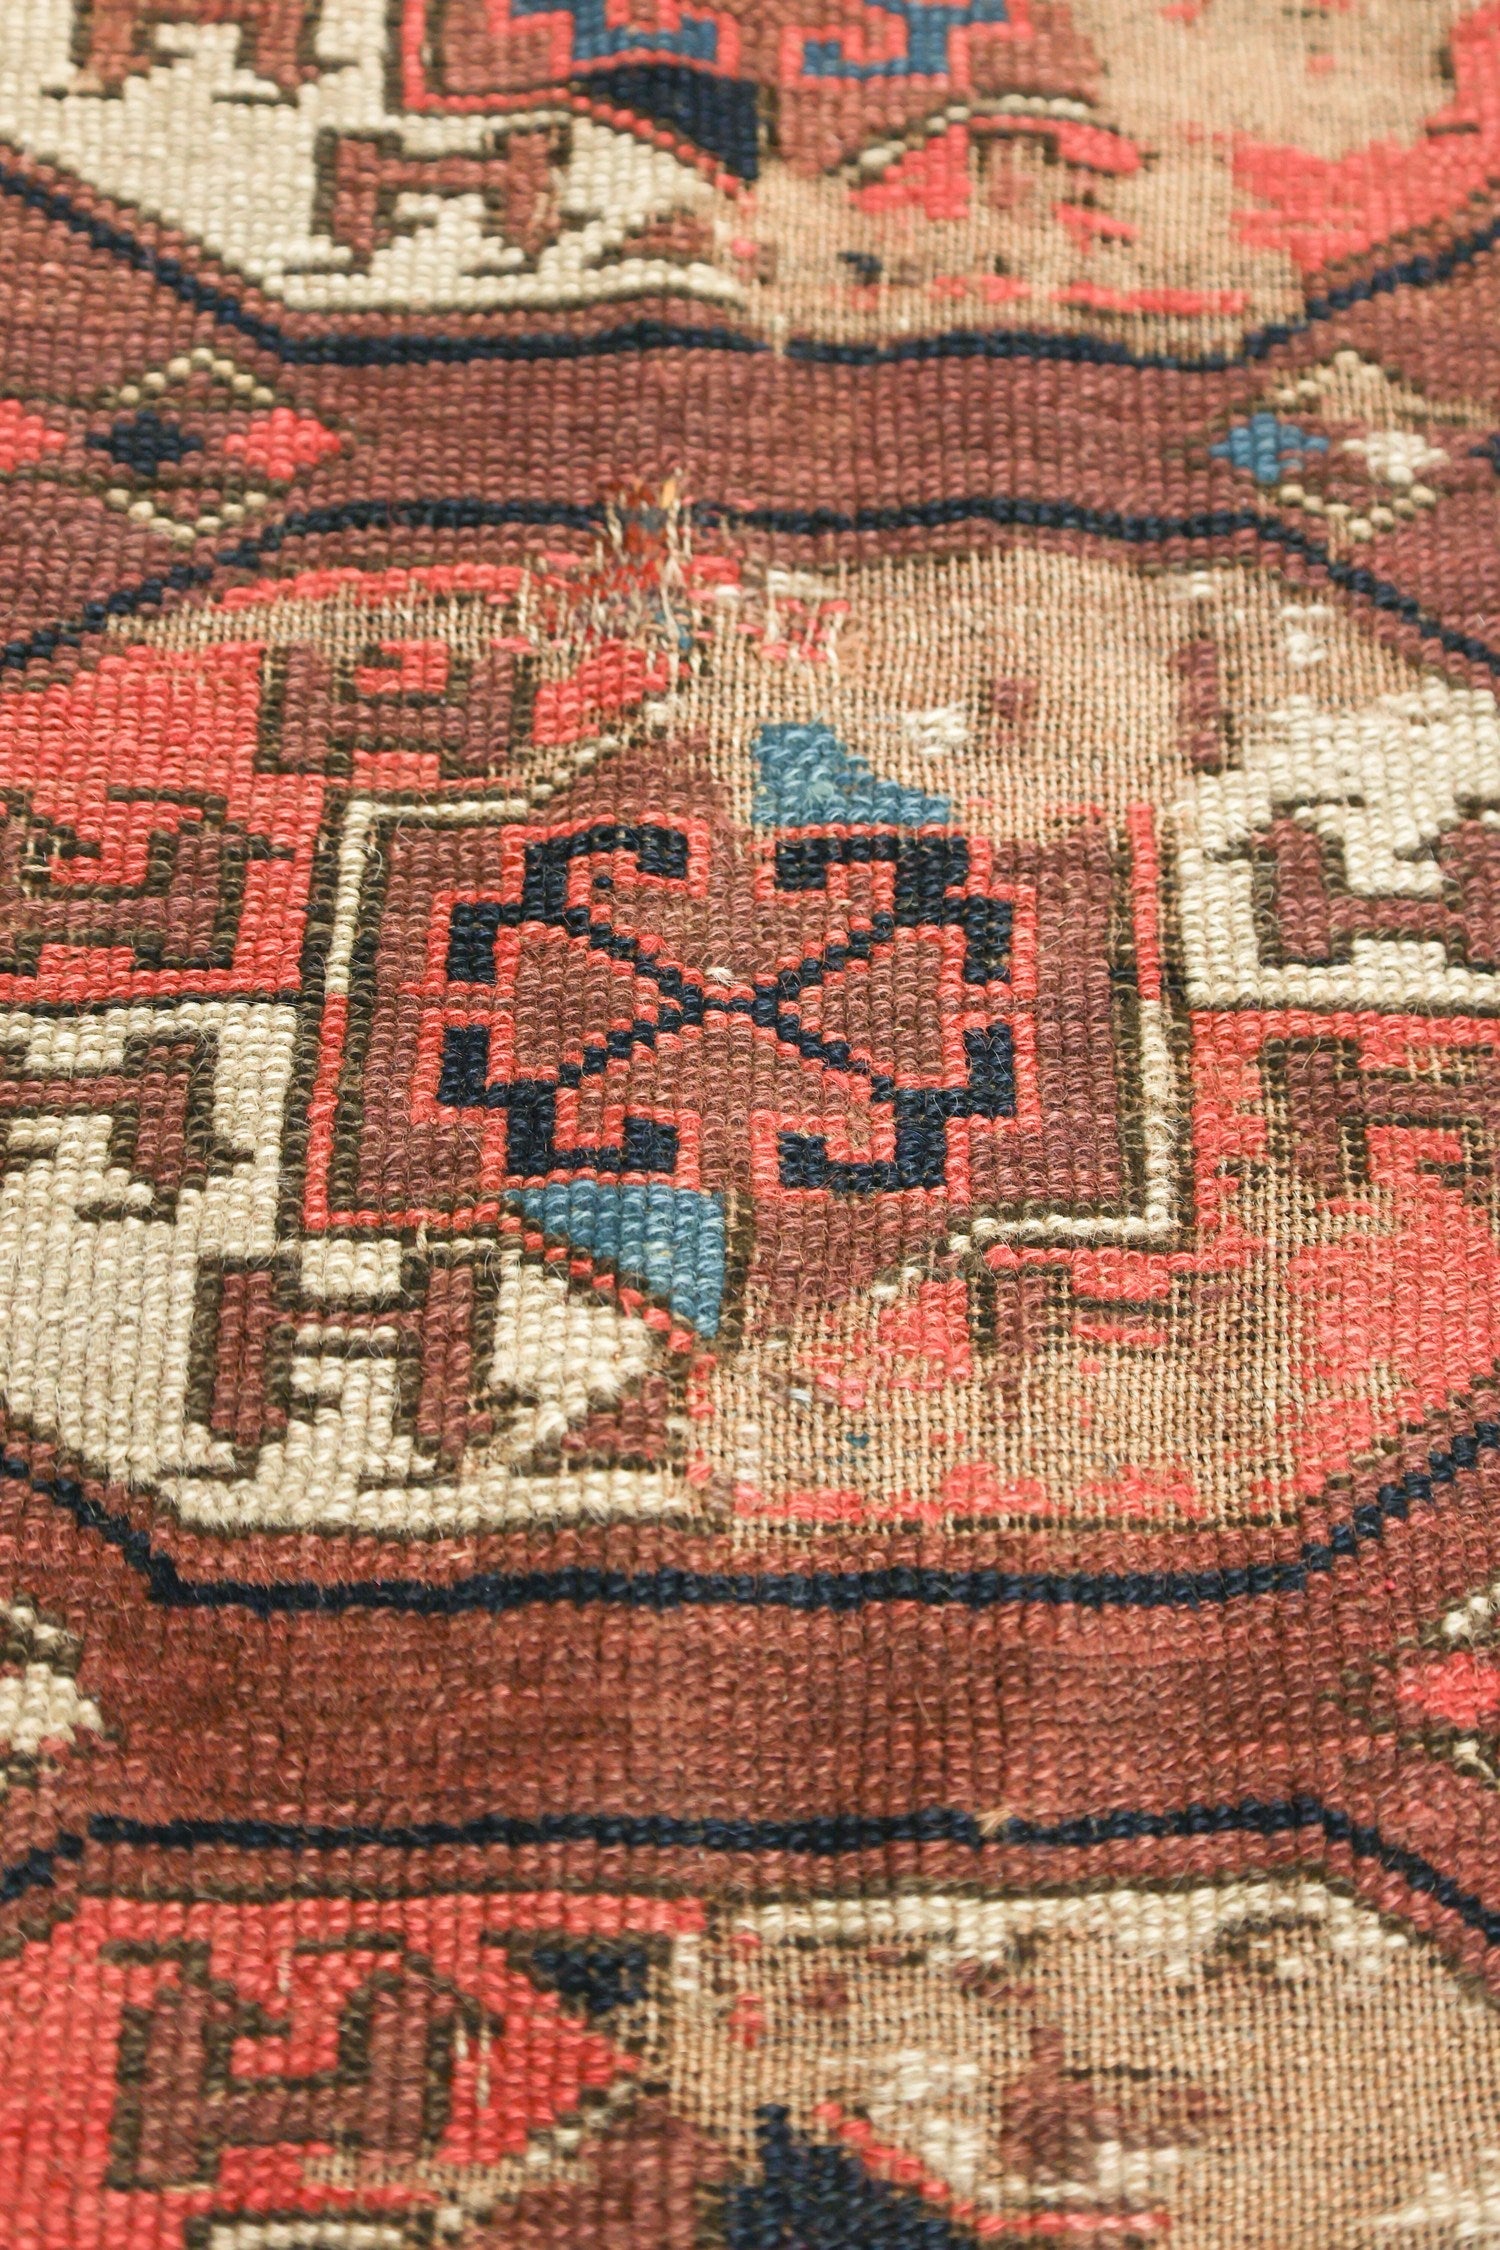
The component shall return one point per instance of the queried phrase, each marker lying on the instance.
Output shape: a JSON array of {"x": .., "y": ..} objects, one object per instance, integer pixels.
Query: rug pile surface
[{"x": 750, "y": 1103}]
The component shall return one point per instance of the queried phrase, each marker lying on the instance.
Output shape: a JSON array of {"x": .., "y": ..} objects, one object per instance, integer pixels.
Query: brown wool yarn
[{"x": 749, "y": 1087}]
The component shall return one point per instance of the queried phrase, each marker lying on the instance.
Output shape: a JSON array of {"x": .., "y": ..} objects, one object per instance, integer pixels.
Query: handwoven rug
[{"x": 750, "y": 1099}]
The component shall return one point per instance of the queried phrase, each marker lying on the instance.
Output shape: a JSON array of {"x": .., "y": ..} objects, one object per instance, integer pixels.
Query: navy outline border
[
  {"x": 828, "y": 1836},
  {"x": 824, "y": 1836},
  {"x": 359, "y": 349},
  {"x": 467, "y": 512},
  {"x": 498, "y": 1593},
  {"x": 818, "y": 1590}
]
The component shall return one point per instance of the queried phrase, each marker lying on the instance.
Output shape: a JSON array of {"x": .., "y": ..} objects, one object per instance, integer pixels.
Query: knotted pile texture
[{"x": 749, "y": 1125}]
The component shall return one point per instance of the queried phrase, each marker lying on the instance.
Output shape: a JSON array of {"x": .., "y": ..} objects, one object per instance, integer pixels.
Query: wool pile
[{"x": 749, "y": 1124}]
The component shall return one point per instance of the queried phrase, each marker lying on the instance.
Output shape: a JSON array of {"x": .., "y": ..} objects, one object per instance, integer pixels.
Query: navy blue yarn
[
  {"x": 648, "y": 335},
  {"x": 813, "y": 2197},
  {"x": 500, "y": 1592},
  {"x": 458, "y": 514},
  {"x": 928, "y": 868},
  {"x": 145, "y": 442},
  {"x": 720, "y": 115},
  {"x": 464, "y": 513},
  {"x": 333, "y": 350},
  {"x": 35, "y": 1871},
  {"x": 822, "y": 1836}
]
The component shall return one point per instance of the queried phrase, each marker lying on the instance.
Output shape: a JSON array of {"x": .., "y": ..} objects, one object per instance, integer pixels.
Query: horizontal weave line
[
  {"x": 461, "y": 512},
  {"x": 36, "y": 1870},
  {"x": 664, "y": 1590},
  {"x": 818, "y": 1836},
  {"x": 364, "y": 350},
  {"x": 333, "y": 350},
  {"x": 458, "y": 513}
]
